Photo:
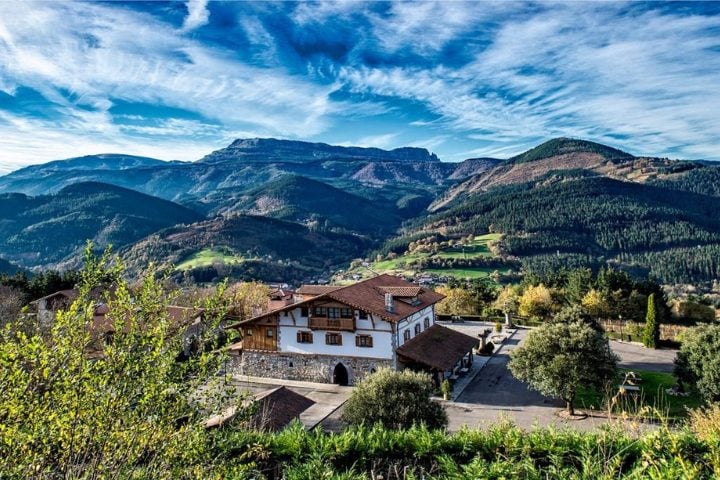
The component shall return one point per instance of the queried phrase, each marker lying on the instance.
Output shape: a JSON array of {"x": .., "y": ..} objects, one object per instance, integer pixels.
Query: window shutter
[{"x": 299, "y": 337}]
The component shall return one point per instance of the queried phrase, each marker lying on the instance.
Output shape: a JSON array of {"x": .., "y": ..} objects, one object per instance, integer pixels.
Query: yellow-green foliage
[{"x": 73, "y": 406}]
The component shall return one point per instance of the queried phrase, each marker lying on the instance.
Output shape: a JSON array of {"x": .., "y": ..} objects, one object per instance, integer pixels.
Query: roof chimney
[{"x": 389, "y": 303}]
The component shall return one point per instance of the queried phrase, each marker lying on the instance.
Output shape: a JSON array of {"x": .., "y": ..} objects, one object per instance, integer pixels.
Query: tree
[
  {"x": 457, "y": 301},
  {"x": 536, "y": 301},
  {"x": 698, "y": 361},
  {"x": 651, "y": 334},
  {"x": 397, "y": 400},
  {"x": 558, "y": 358},
  {"x": 594, "y": 303},
  {"x": 508, "y": 299},
  {"x": 578, "y": 283},
  {"x": 71, "y": 407},
  {"x": 248, "y": 299}
]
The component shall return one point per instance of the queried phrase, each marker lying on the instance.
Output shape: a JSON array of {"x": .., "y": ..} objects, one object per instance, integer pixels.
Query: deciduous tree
[{"x": 558, "y": 358}]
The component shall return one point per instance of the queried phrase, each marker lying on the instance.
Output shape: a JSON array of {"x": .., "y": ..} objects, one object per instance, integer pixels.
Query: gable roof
[
  {"x": 368, "y": 296},
  {"x": 437, "y": 347},
  {"x": 276, "y": 409},
  {"x": 413, "y": 291},
  {"x": 317, "y": 289}
]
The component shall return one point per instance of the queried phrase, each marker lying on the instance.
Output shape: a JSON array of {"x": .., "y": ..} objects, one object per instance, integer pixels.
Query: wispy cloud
[{"x": 458, "y": 78}]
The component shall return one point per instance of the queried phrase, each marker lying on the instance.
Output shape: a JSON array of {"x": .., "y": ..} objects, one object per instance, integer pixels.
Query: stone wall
[{"x": 310, "y": 368}]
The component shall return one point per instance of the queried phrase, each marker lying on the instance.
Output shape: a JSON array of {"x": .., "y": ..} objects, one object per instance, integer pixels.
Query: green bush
[{"x": 395, "y": 400}]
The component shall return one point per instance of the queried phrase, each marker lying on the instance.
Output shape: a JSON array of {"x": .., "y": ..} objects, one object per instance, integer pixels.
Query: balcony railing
[{"x": 325, "y": 323}]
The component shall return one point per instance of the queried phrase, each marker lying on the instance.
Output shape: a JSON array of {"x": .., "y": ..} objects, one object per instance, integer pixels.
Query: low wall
[{"x": 309, "y": 368}]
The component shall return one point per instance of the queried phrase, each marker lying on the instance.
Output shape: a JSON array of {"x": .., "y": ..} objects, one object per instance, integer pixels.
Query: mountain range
[{"x": 296, "y": 210}]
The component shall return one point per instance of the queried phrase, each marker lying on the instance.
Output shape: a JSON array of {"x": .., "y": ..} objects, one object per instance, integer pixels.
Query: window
[
  {"x": 363, "y": 341},
  {"x": 362, "y": 315},
  {"x": 248, "y": 332},
  {"x": 417, "y": 329},
  {"x": 406, "y": 335},
  {"x": 333, "y": 339},
  {"x": 333, "y": 312},
  {"x": 269, "y": 333},
  {"x": 346, "y": 313},
  {"x": 304, "y": 337},
  {"x": 304, "y": 311},
  {"x": 320, "y": 311},
  {"x": 291, "y": 365},
  {"x": 426, "y": 322}
]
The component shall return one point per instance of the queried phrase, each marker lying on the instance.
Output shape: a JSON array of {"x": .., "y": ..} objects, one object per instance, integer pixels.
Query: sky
[{"x": 177, "y": 80}]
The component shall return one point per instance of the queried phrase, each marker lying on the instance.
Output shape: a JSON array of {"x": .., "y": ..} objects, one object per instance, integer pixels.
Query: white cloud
[
  {"x": 581, "y": 70},
  {"x": 198, "y": 15},
  {"x": 82, "y": 57}
]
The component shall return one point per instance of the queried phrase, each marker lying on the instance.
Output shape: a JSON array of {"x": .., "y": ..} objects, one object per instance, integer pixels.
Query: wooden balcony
[{"x": 325, "y": 323}]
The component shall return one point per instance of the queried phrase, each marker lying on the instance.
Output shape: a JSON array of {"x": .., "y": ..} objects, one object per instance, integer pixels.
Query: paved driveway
[
  {"x": 636, "y": 357},
  {"x": 495, "y": 393}
]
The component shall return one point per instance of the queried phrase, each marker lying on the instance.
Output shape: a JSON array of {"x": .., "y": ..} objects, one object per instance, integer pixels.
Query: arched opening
[{"x": 340, "y": 375}]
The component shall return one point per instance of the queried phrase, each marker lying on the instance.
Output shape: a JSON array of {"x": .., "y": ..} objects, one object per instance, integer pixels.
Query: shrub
[
  {"x": 395, "y": 400},
  {"x": 698, "y": 361}
]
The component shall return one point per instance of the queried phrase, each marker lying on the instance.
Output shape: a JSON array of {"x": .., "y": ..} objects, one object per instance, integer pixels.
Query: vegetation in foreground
[{"x": 132, "y": 409}]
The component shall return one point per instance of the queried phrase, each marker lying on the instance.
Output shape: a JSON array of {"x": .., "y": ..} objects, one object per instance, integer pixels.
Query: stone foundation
[{"x": 309, "y": 368}]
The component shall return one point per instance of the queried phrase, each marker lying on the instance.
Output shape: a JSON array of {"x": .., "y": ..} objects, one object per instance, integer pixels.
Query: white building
[{"x": 338, "y": 334}]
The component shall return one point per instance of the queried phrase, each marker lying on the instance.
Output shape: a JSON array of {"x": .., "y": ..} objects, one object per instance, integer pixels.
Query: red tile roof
[
  {"x": 317, "y": 289},
  {"x": 437, "y": 347},
  {"x": 402, "y": 291},
  {"x": 276, "y": 409},
  {"x": 368, "y": 296}
]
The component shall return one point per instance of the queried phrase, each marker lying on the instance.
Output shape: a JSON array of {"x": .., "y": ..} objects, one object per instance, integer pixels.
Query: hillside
[
  {"x": 564, "y": 154},
  {"x": 581, "y": 217},
  {"x": 249, "y": 163},
  {"x": 46, "y": 230},
  {"x": 310, "y": 202},
  {"x": 269, "y": 150},
  {"x": 7, "y": 267},
  {"x": 255, "y": 247},
  {"x": 570, "y": 146}
]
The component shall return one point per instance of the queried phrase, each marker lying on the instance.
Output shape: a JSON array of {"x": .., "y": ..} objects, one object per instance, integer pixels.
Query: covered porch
[{"x": 442, "y": 352}]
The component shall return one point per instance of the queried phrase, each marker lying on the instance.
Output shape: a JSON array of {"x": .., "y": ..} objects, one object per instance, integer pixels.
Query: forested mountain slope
[
  {"x": 256, "y": 247},
  {"x": 313, "y": 203},
  {"x": 578, "y": 216},
  {"x": 46, "y": 230}
]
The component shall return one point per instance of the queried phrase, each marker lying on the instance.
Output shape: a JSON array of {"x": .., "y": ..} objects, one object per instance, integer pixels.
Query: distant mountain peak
[
  {"x": 255, "y": 150},
  {"x": 565, "y": 146}
]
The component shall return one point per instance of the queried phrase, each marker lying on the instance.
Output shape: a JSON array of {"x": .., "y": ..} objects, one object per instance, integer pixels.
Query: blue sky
[{"x": 177, "y": 80}]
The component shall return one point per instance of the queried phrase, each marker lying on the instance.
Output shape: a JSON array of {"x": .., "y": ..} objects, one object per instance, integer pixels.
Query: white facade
[
  {"x": 381, "y": 332},
  {"x": 417, "y": 319},
  {"x": 386, "y": 337}
]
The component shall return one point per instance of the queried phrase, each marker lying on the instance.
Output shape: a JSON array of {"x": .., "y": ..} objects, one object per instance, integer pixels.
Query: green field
[
  {"x": 479, "y": 247},
  {"x": 208, "y": 257},
  {"x": 653, "y": 398}
]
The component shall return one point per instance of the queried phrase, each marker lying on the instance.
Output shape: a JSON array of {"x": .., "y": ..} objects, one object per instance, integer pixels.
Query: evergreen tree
[{"x": 651, "y": 335}]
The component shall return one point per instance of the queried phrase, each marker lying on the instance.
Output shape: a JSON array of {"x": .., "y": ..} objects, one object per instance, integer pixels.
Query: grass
[
  {"x": 477, "y": 248},
  {"x": 209, "y": 256},
  {"x": 652, "y": 395}
]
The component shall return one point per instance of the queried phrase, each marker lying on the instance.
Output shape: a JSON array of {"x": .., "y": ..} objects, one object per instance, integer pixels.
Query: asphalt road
[{"x": 495, "y": 393}]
